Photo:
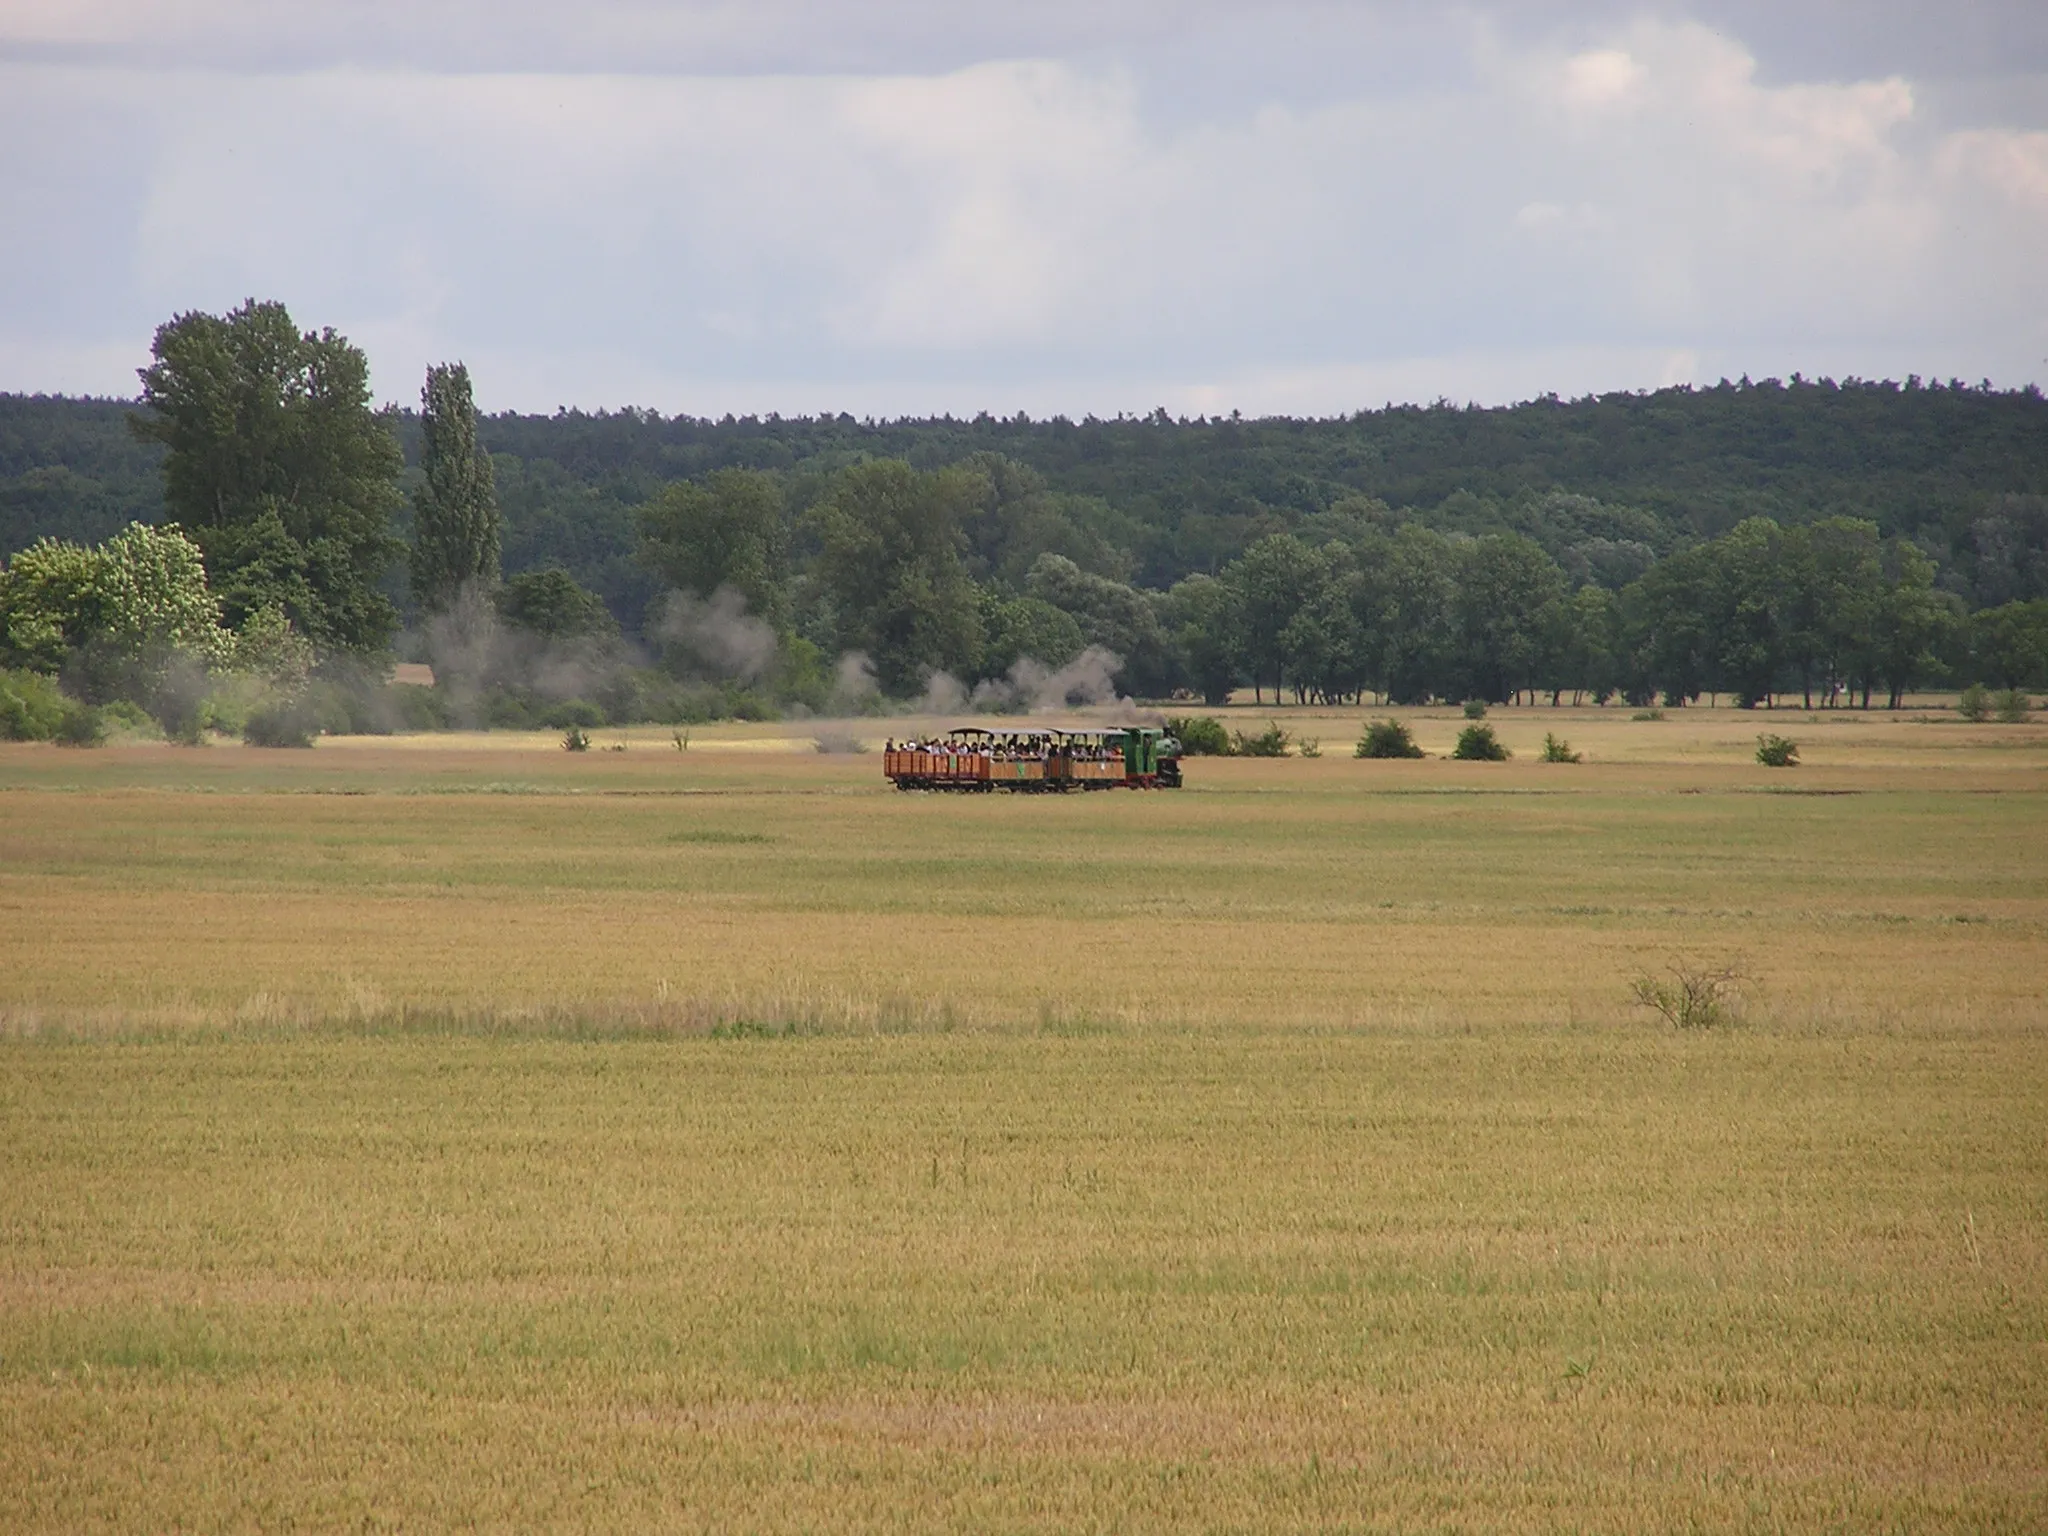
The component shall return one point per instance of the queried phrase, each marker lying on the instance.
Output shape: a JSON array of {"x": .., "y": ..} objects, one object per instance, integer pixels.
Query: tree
[
  {"x": 278, "y": 468},
  {"x": 889, "y": 561},
  {"x": 1405, "y": 603},
  {"x": 1911, "y": 624},
  {"x": 1835, "y": 581},
  {"x": 2009, "y": 644},
  {"x": 1271, "y": 580},
  {"x": 455, "y": 510},
  {"x": 1505, "y": 582},
  {"x": 1200, "y": 618},
  {"x": 1668, "y": 634},
  {"x": 1118, "y": 618},
  {"x": 552, "y": 604},
  {"x": 1324, "y": 645},
  {"x": 113, "y": 617},
  {"x": 724, "y": 531},
  {"x": 1583, "y": 644},
  {"x": 1018, "y": 628},
  {"x": 1743, "y": 602}
]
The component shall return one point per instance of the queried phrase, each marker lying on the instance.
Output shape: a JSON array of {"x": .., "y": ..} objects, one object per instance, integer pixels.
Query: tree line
[{"x": 808, "y": 566}]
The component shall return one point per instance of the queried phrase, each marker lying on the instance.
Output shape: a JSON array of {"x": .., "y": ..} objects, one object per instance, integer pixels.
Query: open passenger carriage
[{"x": 977, "y": 759}]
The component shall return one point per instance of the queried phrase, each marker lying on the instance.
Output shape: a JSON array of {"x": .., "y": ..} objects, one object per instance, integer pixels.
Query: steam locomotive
[{"x": 975, "y": 761}]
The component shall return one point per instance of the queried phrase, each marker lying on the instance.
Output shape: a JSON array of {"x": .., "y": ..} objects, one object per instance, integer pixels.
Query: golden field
[{"x": 460, "y": 1131}]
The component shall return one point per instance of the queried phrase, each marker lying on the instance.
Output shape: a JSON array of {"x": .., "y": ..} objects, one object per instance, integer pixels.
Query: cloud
[{"x": 629, "y": 214}]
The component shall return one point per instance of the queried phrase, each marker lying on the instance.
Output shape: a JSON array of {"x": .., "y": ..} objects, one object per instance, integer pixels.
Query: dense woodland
[
  {"x": 1827, "y": 540},
  {"x": 1962, "y": 470}
]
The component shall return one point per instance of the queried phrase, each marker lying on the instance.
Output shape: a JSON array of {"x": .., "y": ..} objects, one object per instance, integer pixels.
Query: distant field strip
[{"x": 1323, "y": 893}]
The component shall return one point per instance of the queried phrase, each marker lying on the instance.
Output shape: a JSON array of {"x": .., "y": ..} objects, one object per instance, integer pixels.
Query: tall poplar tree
[{"x": 455, "y": 527}]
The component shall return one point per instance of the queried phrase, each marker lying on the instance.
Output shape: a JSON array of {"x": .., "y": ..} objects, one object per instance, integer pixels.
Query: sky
[{"x": 943, "y": 206}]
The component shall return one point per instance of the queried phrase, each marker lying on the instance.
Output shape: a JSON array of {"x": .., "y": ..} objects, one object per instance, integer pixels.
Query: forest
[{"x": 1837, "y": 541}]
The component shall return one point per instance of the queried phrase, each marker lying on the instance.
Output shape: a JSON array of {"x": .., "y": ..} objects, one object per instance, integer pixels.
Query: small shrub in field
[
  {"x": 288, "y": 724},
  {"x": 1557, "y": 750},
  {"x": 1478, "y": 744},
  {"x": 1647, "y": 714},
  {"x": 1387, "y": 738},
  {"x": 1975, "y": 704},
  {"x": 1271, "y": 742},
  {"x": 1777, "y": 752},
  {"x": 575, "y": 740},
  {"x": 1311, "y": 746},
  {"x": 2014, "y": 706},
  {"x": 1475, "y": 709},
  {"x": 1200, "y": 736},
  {"x": 1689, "y": 996}
]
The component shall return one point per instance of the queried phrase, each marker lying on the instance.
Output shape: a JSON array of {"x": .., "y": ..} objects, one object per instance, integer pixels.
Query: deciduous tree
[{"x": 278, "y": 467}]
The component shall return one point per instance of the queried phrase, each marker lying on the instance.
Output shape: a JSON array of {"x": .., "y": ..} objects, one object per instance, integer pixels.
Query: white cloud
[{"x": 1034, "y": 232}]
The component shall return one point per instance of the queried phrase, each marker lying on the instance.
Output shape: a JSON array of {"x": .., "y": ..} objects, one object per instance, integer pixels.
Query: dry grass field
[{"x": 457, "y": 1131}]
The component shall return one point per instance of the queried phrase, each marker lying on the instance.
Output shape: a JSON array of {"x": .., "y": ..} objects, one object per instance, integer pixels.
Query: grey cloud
[{"x": 1063, "y": 208}]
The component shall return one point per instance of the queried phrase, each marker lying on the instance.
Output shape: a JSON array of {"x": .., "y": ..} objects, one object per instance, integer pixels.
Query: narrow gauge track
[{"x": 972, "y": 760}]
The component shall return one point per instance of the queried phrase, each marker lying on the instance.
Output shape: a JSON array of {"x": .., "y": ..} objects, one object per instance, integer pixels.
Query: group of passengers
[
  {"x": 1001, "y": 750},
  {"x": 1016, "y": 749}
]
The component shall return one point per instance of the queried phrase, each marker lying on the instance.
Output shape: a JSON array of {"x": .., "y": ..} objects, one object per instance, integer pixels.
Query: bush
[
  {"x": 1647, "y": 714},
  {"x": 1692, "y": 996},
  {"x": 2014, "y": 706},
  {"x": 80, "y": 727},
  {"x": 1975, "y": 704},
  {"x": 34, "y": 708},
  {"x": 1311, "y": 746},
  {"x": 1557, "y": 750},
  {"x": 1777, "y": 752},
  {"x": 1475, "y": 709},
  {"x": 418, "y": 708},
  {"x": 571, "y": 714},
  {"x": 31, "y": 707},
  {"x": 1387, "y": 738},
  {"x": 1478, "y": 744},
  {"x": 287, "y": 724},
  {"x": 127, "y": 718},
  {"x": 1271, "y": 742},
  {"x": 1200, "y": 736},
  {"x": 574, "y": 740}
]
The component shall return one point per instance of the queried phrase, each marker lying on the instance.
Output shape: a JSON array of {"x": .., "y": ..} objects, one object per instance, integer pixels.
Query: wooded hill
[{"x": 1961, "y": 470}]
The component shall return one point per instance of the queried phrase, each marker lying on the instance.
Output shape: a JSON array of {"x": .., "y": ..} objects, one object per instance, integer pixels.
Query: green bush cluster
[
  {"x": 1777, "y": 752},
  {"x": 1478, "y": 744},
  {"x": 1273, "y": 741},
  {"x": 1200, "y": 736},
  {"x": 33, "y": 708},
  {"x": 1387, "y": 739}
]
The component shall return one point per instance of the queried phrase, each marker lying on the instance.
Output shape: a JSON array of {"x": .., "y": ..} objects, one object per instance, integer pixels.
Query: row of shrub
[
  {"x": 2011, "y": 705},
  {"x": 1203, "y": 736}
]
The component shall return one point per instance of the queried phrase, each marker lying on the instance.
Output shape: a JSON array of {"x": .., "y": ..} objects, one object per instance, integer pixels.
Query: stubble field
[{"x": 459, "y": 1131}]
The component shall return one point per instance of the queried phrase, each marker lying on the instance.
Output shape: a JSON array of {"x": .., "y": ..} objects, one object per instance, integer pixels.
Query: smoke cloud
[
  {"x": 472, "y": 651},
  {"x": 1088, "y": 681},
  {"x": 854, "y": 689},
  {"x": 944, "y": 694},
  {"x": 716, "y": 637}
]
